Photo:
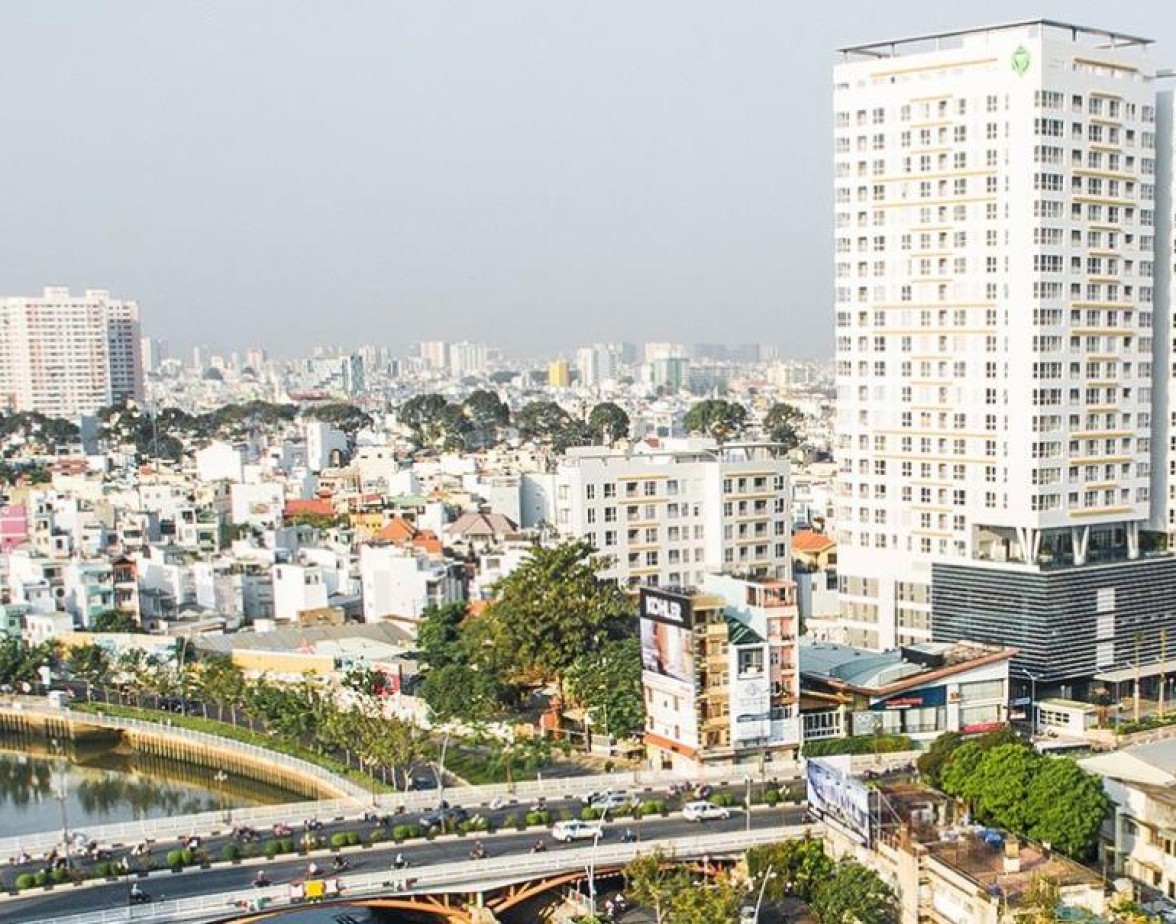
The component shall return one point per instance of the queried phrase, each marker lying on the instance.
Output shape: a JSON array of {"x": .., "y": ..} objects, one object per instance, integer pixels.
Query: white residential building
[
  {"x": 401, "y": 583},
  {"x": 67, "y": 355},
  {"x": 298, "y": 588},
  {"x": 666, "y": 518},
  {"x": 995, "y": 238},
  {"x": 219, "y": 461}
]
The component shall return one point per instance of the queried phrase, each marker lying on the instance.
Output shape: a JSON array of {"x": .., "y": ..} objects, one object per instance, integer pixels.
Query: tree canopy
[
  {"x": 854, "y": 894},
  {"x": 488, "y": 415},
  {"x": 719, "y": 419},
  {"x": 547, "y": 423},
  {"x": 1007, "y": 783},
  {"x": 607, "y": 682},
  {"x": 458, "y": 679},
  {"x": 798, "y": 866},
  {"x": 670, "y": 891},
  {"x": 781, "y": 423},
  {"x": 552, "y": 609},
  {"x": 609, "y": 422}
]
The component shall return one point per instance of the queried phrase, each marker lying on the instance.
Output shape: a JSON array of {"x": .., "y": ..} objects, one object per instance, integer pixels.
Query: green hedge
[{"x": 861, "y": 744}]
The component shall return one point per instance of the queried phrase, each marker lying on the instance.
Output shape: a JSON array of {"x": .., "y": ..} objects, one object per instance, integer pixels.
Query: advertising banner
[
  {"x": 834, "y": 796},
  {"x": 667, "y": 647},
  {"x": 751, "y": 710},
  {"x": 922, "y": 698}
]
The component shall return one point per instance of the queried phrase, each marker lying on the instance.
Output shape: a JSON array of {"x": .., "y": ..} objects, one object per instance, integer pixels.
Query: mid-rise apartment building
[
  {"x": 66, "y": 355},
  {"x": 666, "y": 518},
  {"x": 719, "y": 672},
  {"x": 1000, "y": 337}
]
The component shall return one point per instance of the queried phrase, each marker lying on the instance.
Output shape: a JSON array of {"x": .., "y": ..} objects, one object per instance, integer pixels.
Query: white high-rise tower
[
  {"x": 65, "y": 355},
  {"x": 995, "y": 244}
]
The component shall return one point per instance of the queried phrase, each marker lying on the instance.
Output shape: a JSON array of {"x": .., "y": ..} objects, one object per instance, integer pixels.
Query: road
[{"x": 41, "y": 906}]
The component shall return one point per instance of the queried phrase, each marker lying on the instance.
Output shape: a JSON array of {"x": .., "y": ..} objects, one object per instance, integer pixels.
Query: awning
[{"x": 1127, "y": 674}]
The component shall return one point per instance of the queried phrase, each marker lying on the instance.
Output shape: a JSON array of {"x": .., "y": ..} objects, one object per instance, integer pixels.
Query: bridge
[{"x": 461, "y": 892}]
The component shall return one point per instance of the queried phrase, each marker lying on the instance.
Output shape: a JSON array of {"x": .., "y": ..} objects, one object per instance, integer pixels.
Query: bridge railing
[{"x": 475, "y": 874}]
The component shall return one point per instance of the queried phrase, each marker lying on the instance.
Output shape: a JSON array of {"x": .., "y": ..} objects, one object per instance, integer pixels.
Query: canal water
[{"x": 107, "y": 783}]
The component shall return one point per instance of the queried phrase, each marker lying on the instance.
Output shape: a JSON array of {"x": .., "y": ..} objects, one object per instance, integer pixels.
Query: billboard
[
  {"x": 835, "y": 796},
  {"x": 667, "y": 647},
  {"x": 667, "y": 650},
  {"x": 751, "y": 709}
]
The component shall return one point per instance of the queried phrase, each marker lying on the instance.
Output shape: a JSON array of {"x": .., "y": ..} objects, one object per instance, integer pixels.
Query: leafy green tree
[
  {"x": 89, "y": 663},
  {"x": 609, "y": 422},
  {"x": 488, "y": 415},
  {"x": 422, "y": 415},
  {"x": 781, "y": 423},
  {"x": 607, "y": 682},
  {"x": 21, "y": 662},
  {"x": 958, "y": 776},
  {"x": 801, "y": 864},
  {"x": 553, "y": 608},
  {"x": 548, "y": 423},
  {"x": 341, "y": 416},
  {"x": 854, "y": 894},
  {"x": 1004, "y": 773},
  {"x": 223, "y": 683},
  {"x": 457, "y": 678},
  {"x": 115, "y": 621},
  {"x": 719, "y": 419},
  {"x": 932, "y": 761},
  {"x": 1067, "y": 807},
  {"x": 652, "y": 880}
]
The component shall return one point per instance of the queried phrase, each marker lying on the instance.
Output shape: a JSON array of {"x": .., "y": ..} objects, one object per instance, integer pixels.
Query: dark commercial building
[{"x": 1073, "y": 626}]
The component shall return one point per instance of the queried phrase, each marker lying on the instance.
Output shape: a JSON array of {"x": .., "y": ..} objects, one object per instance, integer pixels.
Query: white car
[
  {"x": 568, "y": 831},
  {"x": 703, "y": 811},
  {"x": 611, "y": 801}
]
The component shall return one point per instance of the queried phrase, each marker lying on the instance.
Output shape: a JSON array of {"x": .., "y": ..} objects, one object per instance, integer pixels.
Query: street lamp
[
  {"x": 1033, "y": 678},
  {"x": 768, "y": 874},
  {"x": 220, "y": 777},
  {"x": 440, "y": 771},
  {"x": 59, "y": 763},
  {"x": 592, "y": 864}
]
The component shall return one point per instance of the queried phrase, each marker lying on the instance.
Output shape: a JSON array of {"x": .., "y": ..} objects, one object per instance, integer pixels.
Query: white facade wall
[
  {"x": 669, "y": 518},
  {"x": 322, "y": 440},
  {"x": 994, "y": 302},
  {"x": 297, "y": 588},
  {"x": 219, "y": 462},
  {"x": 257, "y": 504},
  {"x": 396, "y": 582}
]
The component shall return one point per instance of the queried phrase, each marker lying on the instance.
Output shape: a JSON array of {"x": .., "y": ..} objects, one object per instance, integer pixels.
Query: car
[
  {"x": 611, "y": 801},
  {"x": 747, "y": 915},
  {"x": 574, "y": 830},
  {"x": 704, "y": 811},
  {"x": 443, "y": 816}
]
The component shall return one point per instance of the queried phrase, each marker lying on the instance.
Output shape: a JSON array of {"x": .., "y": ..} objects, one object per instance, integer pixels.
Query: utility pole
[
  {"x": 1163, "y": 671},
  {"x": 1137, "y": 635}
]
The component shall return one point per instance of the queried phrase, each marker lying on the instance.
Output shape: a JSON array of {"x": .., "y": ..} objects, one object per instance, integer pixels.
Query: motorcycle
[
  {"x": 339, "y": 864},
  {"x": 478, "y": 852},
  {"x": 261, "y": 880},
  {"x": 138, "y": 897},
  {"x": 540, "y": 846}
]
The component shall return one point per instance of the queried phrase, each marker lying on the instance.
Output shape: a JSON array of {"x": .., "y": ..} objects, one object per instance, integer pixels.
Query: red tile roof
[{"x": 806, "y": 540}]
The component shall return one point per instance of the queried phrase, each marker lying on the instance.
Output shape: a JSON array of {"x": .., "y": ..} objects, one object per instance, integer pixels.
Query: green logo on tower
[{"x": 1021, "y": 60}]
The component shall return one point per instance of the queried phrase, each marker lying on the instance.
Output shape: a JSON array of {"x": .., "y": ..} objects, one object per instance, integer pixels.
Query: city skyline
[{"x": 641, "y": 179}]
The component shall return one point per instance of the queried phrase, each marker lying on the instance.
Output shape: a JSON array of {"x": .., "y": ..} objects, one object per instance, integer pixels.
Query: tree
[
  {"x": 798, "y": 866},
  {"x": 781, "y": 423},
  {"x": 21, "y": 663},
  {"x": 958, "y": 776},
  {"x": 341, "y": 416},
  {"x": 547, "y": 423},
  {"x": 932, "y": 761},
  {"x": 553, "y": 608},
  {"x": 1066, "y": 806},
  {"x": 609, "y": 422},
  {"x": 488, "y": 414},
  {"x": 89, "y": 663},
  {"x": 424, "y": 416},
  {"x": 721, "y": 420},
  {"x": 607, "y": 682},
  {"x": 854, "y": 894},
  {"x": 1004, "y": 774},
  {"x": 223, "y": 683},
  {"x": 457, "y": 680},
  {"x": 652, "y": 880},
  {"x": 115, "y": 621}
]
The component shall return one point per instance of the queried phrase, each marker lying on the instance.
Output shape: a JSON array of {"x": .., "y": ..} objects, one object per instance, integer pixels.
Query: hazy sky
[{"x": 534, "y": 175}]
